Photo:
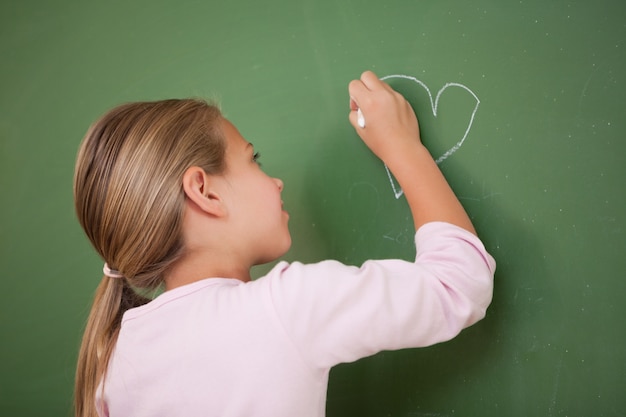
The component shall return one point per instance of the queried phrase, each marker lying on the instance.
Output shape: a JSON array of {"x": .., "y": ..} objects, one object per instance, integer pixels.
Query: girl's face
[{"x": 255, "y": 201}]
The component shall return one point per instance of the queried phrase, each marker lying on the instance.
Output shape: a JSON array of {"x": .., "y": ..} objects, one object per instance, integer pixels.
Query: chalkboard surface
[{"x": 524, "y": 101}]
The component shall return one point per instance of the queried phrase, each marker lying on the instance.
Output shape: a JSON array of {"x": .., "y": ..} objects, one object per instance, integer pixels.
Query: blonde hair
[{"x": 129, "y": 200}]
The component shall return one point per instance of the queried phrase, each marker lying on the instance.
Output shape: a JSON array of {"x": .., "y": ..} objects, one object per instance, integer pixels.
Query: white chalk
[{"x": 360, "y": 119}]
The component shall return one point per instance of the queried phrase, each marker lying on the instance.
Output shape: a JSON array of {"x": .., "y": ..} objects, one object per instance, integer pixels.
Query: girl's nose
[{"x": 280, "y": 184}]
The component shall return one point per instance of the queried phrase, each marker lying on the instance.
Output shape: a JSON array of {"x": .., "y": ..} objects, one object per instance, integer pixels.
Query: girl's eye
[{"x": 256, "y": 157}]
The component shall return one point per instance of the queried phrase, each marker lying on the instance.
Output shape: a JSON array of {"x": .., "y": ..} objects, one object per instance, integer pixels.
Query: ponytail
[{"x": 113, "y": 297}]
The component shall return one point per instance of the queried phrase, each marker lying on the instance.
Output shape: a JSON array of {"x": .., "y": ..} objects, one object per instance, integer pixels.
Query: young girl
[{"x": 171, "y": 196}]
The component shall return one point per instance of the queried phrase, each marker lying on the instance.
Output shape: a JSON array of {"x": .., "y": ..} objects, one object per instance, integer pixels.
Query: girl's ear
[{"x": 198, "y": 187}]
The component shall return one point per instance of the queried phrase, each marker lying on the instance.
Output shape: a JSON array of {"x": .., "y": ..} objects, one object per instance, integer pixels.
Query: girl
[{"x": 171, "y": 196}]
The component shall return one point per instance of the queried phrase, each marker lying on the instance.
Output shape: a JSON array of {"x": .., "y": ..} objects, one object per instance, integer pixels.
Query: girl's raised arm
[{"x": 392, "y": 133}]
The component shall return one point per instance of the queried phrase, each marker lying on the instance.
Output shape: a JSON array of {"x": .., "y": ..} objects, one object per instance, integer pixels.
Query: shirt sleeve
[{"x": 335, "y": 313}]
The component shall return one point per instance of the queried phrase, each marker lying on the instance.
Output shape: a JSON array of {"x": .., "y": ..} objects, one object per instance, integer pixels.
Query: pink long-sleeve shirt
[{"x": 221, "y": 347}]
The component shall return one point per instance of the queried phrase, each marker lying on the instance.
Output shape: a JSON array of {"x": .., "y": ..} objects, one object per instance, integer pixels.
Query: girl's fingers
[
  {"x": 372, "y": 82},
  {"x": 352, "y": 117},
  {"x": 357, "y": 91}
]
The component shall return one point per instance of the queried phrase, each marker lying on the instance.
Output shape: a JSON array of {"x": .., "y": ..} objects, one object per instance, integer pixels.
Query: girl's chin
[{"x": 279, "y": 254}]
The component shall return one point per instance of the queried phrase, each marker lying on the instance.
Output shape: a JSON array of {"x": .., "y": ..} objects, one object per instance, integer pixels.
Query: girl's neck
[{"x": 192, "y": 268}]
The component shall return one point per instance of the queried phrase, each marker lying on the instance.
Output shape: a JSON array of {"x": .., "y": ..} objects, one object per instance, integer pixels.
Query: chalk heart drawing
[{"x": 397, "y": 191}]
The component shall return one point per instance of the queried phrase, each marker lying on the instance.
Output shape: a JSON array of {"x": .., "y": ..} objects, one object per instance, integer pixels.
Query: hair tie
[{"x": 111, "y": 273}]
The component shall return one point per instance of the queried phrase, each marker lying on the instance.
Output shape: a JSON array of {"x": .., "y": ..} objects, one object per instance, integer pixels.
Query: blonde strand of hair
[{"x": 98, "y": 341}]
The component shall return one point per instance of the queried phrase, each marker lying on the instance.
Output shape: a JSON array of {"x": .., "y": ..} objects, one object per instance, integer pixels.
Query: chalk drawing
[{"x": 397, "y": 191}]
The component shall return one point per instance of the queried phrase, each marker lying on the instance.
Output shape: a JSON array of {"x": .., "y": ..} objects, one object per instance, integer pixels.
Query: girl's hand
[
  {"x": 390, "y": 122},
  {"x": 391, "y": 131}
]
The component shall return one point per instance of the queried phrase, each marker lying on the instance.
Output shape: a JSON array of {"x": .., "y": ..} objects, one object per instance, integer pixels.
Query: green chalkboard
[{"x": 529, "y": 96}]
